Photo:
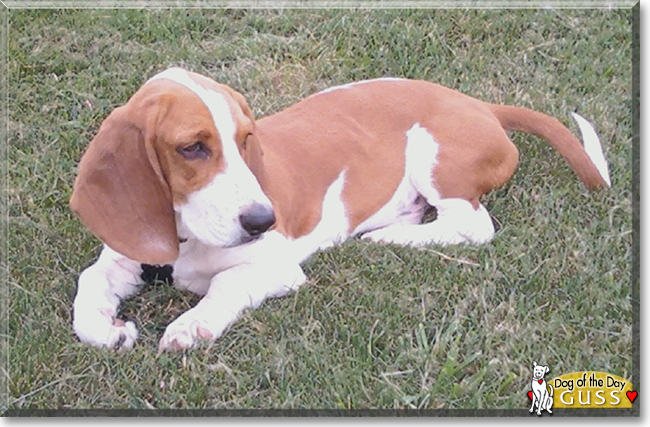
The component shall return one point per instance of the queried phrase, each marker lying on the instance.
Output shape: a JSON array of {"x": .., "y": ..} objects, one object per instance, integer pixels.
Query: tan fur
[{"x": 362, "y": 129}]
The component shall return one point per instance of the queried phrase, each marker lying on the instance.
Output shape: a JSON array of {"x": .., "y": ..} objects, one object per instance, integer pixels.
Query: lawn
[{"x": 377, "y": 326}]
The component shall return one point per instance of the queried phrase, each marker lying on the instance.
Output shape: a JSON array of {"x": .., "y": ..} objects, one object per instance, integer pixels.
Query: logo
[
  {"x": 588, "y": 389},
  {"x": 541, "y": 393}
]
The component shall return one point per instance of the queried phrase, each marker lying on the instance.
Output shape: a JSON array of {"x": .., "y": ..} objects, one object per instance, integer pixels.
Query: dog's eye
[{"x": 194, "y": 151}]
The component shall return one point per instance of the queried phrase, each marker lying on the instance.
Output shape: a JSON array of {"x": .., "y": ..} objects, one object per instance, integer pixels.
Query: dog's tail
[
  {"x": 588, "y": 162},
  {"x": 550, "y": 390}
]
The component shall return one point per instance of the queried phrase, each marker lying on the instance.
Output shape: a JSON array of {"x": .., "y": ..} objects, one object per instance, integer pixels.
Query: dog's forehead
[
  {"x": 192, "y": 81},
  {"x": 204, "y": 87},
  {"x": 175, "y": 96},
  {"x": 213, "y": 96}
]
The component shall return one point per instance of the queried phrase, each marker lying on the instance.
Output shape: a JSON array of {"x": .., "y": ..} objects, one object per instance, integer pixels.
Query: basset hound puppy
[{"x": 182, "y": 175}]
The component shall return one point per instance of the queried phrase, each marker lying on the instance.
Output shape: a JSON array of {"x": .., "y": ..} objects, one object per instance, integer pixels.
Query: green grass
[{"x": 377, "y": 326}]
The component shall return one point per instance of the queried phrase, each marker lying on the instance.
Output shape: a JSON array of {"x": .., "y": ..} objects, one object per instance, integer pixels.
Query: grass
[{"x": 377, "y": 326}]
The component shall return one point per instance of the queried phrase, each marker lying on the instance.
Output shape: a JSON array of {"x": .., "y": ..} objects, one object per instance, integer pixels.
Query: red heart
[
  {"x": 631, "y": 395},
  {"x": 540, "y": 381},
  {"x": 530, "y": 395}
]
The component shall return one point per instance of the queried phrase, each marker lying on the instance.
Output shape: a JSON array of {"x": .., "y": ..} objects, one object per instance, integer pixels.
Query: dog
[
  {"x": 183, "y": 175},
  {"x": 542, "y": 393}
]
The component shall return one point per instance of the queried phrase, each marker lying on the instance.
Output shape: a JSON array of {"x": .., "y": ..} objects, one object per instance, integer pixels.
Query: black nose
[{"x": 257, "y": 219}]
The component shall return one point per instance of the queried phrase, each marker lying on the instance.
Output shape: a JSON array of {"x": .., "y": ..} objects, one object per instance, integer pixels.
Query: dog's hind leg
[
  {"x": 549, "y": 402},
  {"x": 457, "y": 222}
]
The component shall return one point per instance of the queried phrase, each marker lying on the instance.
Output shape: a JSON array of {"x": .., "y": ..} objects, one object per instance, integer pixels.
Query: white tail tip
[{"x": 593, "y": 147}]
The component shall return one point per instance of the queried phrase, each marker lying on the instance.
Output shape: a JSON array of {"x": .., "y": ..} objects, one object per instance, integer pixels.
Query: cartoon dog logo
[{"x": 542, "y": 392}]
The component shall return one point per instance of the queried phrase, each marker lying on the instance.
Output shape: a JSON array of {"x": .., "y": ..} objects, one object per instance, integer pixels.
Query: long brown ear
[{"x": 120, "y": 196}]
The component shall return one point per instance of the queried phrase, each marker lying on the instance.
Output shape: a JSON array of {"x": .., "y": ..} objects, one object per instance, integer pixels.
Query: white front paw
[
  {"x": 122, "y": 335},
  {"x": 102, "y": 330},
  {"x": 183, "y": 333}
]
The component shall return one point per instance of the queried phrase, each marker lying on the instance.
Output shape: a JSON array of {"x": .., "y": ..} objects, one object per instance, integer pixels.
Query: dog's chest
[
  {"x": 537, "y": 385},
  {"x": 197, "y": 264}
]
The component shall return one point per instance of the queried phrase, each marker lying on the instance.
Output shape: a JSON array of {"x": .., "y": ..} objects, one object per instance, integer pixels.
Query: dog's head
[
  {"x": 173, "y": 163},
  {"x": 539, "y": 371}
]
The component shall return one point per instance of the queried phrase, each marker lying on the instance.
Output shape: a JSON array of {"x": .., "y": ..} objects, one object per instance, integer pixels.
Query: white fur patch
[
  {"x": 422, "y": 158},
  {"x": 457, "y": 222},
  {"x": 593, "y": 147},
  {"x": 199, "y": 263},
  {"x": 405, "y": 206},
  {"x": 211, "y": 214},
  {"x": 333, "y": 226}
]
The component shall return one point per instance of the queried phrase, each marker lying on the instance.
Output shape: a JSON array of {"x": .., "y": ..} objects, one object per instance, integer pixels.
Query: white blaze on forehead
[{"x": 216, "y": 103}]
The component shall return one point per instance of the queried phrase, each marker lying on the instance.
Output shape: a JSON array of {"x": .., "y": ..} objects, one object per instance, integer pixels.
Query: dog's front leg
[
  {"x": 101, "y": 288},
  {"x": 231, "y": 292},
  {"x": 541, "y": 399}
]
